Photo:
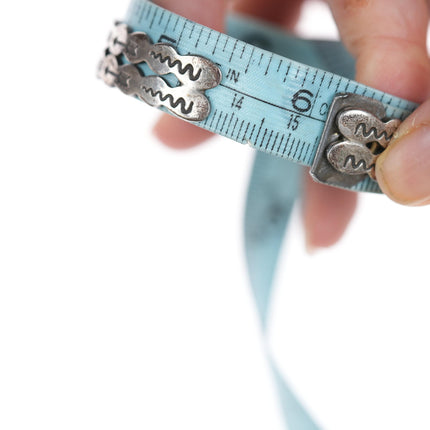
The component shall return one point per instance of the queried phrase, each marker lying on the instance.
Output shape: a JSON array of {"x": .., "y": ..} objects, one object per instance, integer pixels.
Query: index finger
[{"x": 388, "y": 39}]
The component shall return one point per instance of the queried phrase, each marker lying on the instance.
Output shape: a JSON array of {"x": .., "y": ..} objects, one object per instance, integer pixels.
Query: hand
[{"x": 388, "y": 40}]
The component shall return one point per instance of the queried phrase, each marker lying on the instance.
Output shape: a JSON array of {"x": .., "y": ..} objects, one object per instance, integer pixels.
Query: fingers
[
  {"x": 327, "y": 212},
  {"x": 388, "y": 38},
  {"x": 207, "y": 12},
  {"x": 170, "y": 130},
  {"x": 281, "y": 12},
  {"x": 178, "y": 134},
  {"x": 403, "y": 171}
]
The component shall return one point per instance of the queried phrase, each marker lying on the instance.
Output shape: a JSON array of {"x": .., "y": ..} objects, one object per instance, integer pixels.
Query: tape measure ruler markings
[{"x": 275, "y": 104}]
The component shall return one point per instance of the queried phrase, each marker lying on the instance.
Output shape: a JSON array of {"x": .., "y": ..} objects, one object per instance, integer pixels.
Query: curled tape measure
[{"x": 247, "y": 87}]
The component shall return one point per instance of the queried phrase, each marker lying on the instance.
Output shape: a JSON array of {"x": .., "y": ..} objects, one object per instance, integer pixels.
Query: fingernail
[{"x": 403, "y": 170}]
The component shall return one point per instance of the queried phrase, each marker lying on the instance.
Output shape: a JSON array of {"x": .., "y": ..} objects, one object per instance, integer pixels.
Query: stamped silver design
[
  {"x": 351, "y": 158},
  {"x": 118, "y": 38},
  {"x": 356, "y": 133},
  {"x": 195, "y": 74},
  {"x": 108, "y": 69},
  {"x": 355, "y": 156},
  {"x": 361, "y": 126}
]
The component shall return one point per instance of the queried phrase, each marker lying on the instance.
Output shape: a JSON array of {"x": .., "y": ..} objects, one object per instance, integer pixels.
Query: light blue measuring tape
[{"x": 248, "y": 88}]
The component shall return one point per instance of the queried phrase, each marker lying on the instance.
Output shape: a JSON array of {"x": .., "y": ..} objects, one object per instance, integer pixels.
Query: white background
[{"x": 124, "y": 301}]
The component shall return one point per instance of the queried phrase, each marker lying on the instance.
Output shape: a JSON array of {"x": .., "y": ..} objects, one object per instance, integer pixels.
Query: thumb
[{"x": 403, "y": 172}]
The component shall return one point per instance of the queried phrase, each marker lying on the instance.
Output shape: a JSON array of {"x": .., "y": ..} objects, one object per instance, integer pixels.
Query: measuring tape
[
  {"x": 246, "y": 87},
  {"x": 249, "y": 94}
]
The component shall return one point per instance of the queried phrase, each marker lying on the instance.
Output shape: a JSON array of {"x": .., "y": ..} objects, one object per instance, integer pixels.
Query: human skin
[{"x": 388, "y": 40}]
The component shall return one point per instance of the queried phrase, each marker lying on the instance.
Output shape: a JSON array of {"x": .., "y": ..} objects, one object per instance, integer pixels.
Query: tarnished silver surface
[
  {"x": 191, "y": 105},
  {"x": 354, "y": 136},
  {"x": 195, "y": 74},
  {"x": 108, "y": 69},
  {"x": 118, "y": 38},
  {"x": 129, "y": 79},
  {"x": 351, "y": 158},
  {"x": 192, "y": 70},
  {"x": 361, "y": 126}
]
